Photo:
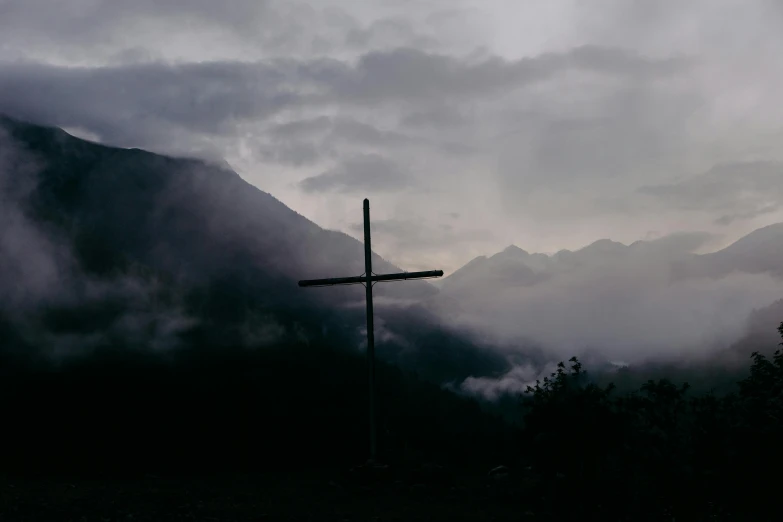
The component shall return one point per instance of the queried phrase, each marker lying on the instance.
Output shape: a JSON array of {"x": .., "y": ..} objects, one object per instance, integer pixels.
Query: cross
[{"x": 368, "y": 280}]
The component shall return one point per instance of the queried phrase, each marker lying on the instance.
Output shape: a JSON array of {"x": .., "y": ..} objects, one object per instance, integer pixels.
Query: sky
[{"x": 469, "y": 124}]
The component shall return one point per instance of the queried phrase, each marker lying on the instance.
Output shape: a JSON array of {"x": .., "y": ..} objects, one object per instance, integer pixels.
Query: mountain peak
[
  {"x": 606, "y": 242},
  {"x": 768, "y": 237},
  {"x": 513, "y": 250},
  {"x": 769, "y": 231},
  {"x": 604, "y": 245}
]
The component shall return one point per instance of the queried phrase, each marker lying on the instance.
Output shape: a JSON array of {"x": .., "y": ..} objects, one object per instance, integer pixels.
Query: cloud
[
  {"x": 417, "y": 234},
  {"x": 294, "y": 153},
  {"x": 367, "y": 172},
  {"x": 260, "y": 330},
  {"x": 728, "y": 219},
  {"x": 308, "y": 113},
  {"x": 411, "y": 75},
  {"x": 438, "y": 117},
  {"x": 337, "y": 128},
  {"x": 352, "y": 131},
  {"x": 313, "y": 140},
  {"x": 387, "y": 32},
  {"x": 415, "y": 243},
  {"x": 105, "y": 29},
  {"x": 629, "y": 132},
  {"x": 138, "y": 104},
  {"x": 749, "y": 188},
  {"x": 207, "y": 96},
  {"x": 300, "y": 129},
  {"x": 34, "y": 264},
  {"x": 681, "y": 242},
  {"x": 87, "y": 21},
  {"x": 514, "y": 382}
]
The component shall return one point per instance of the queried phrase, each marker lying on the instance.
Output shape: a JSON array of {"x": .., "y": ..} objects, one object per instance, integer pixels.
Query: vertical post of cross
[
  {"x": 370, "y": 328},
  {"x": 368, "y": 279}
]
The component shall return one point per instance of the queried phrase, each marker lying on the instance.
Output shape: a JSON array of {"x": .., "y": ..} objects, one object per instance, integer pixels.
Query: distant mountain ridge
[
  {"x": 761, "y": 251},
  {"x": 650, "y": 299},
  {"x": 757, "y": 252}
]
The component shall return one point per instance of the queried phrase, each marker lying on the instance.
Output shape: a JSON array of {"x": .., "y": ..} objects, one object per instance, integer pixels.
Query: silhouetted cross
[{"x": 368, "y": 279}]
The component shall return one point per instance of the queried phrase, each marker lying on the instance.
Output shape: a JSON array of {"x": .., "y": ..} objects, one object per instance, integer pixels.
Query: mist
[
  {"x": 609, "y": 304},
  {"x": 33, "y": 264},
  {"x": 618, "y": 320},
  {"x": 54, "y": 306}
]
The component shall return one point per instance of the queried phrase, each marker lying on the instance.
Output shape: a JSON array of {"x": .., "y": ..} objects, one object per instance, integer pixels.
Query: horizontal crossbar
[{"x": 375, "y": 278}]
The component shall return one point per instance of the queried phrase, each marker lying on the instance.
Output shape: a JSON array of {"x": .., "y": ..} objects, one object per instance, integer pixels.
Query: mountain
[
  {"x": 183, "y": 215},
  {"x": 512, "y": 266},
  {"x": 756, "y": 253},
  {"x": 109, "y": 246},
  {"x": 647, "y": 300},
  {"x": 759, "y": 336}
]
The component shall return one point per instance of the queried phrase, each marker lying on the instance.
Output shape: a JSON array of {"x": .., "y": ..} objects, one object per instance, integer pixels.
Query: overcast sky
[{"x": 470, "y": 124}]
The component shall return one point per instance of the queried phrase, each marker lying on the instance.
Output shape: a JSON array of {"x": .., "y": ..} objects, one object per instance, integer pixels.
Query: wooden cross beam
[{"x": 368, "y": 279}]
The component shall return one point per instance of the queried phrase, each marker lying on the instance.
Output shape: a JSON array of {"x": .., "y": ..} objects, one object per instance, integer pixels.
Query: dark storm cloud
[
  {"x": 138, "y": 103},
  {"x": 338, "y": 129},
  {"x": 294, "y": 153},
  {"x": 366, "y": 172},
  {"x": 109, "y": 22},
  {"x": 358, "y": 132},
  {"x": 123, "y": 30},
  {"x": 83, "y": 20},
  {"x": 440, "y": 116},
  {"x": 388, "y": 30},
  {"x": 297, "y": 143},
  {"x": 410, "y": 74},
  {"x": 308, "y": 141},
  {"x": 748, "y": 188},
  {"x": 305, "y": 128},
  {"x": 630, "y": 132},
  {"x": 728, "y": 219},
  {"x": 127, "y": 103}
]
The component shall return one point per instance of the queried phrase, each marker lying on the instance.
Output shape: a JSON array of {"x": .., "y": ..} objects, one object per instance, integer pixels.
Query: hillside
[
  {"x": 756, "y": 253},
  {"x": 172, "y": 250}
]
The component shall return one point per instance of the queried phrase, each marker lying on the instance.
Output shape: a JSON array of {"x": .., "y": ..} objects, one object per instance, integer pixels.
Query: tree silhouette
[{"x": 658, "y": 450}]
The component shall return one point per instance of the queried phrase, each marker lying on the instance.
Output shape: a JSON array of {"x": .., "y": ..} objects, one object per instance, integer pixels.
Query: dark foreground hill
[{"x": 585, "y": 452}]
